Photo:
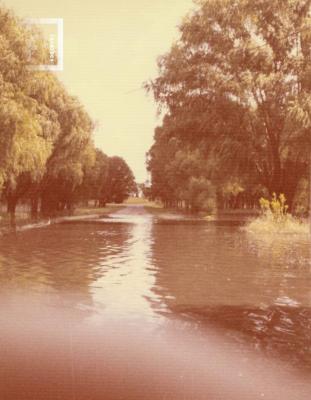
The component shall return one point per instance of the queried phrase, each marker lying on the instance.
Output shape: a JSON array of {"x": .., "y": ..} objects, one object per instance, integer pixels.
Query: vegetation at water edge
[
  {"x": 276, "y": 219},
  {"x": 235, "y": 94},
  {"x": 47, "y": 154}
]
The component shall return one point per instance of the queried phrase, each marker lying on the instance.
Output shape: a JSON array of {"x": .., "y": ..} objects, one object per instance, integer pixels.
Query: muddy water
[{"x": 132, "y": 307}]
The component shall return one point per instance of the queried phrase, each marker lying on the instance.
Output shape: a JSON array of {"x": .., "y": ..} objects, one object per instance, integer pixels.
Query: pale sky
[{"x": 110, "y": 49}]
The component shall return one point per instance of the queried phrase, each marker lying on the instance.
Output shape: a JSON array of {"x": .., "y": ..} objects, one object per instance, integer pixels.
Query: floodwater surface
[{"x": 130, "y": 307}]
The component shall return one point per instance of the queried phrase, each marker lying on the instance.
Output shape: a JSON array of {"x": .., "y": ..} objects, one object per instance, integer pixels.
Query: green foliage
[
  {"x": 109, "y": 180},
  {"x": 236, "y": 88},
  {"x": 95, "y": 175},
  {"x": 23, "y": 144},
  {"x": 276, "y": 207},
  {"x": 47, "y": 153},
  {"x": 179, "y": 175},
  {"x": 275, "y": 218},
  {"x": 119, "y": 181},
  {"x": 201, "y": 195}
]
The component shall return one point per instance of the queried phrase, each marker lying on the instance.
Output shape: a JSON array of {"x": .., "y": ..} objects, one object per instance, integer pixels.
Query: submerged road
[{"x": 125, "y": 307}]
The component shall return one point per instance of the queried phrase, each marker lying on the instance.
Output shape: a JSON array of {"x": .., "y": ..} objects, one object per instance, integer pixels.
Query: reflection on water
[
  {"x": 220, "y": 266},
  {"x": 257, "y": 291},
  {"x": 126, "y": 287},
  {"x": 130, "y": 268}
]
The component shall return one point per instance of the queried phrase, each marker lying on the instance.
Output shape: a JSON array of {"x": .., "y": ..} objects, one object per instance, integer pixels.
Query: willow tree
[
  {"x": 45, "y": 140},
  {"x": 94, "y": 179},
  {"x": 73, "y": 152},
  {"x": 24, "y": 141},
  {"x": 236, "y": 81}
]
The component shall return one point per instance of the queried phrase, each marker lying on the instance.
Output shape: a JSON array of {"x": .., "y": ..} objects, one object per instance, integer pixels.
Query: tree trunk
[
  {"x": 49, "y": 205},
  {"x": 34, "y": 207},
  {"x": 12, "y": 202},
  {"x": 102, "y": 203}
]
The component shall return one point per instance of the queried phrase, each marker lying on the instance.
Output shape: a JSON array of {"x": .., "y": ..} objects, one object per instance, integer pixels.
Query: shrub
[
  {"x": 275, "y": 218},
  {"x": 276, "y": 208}
]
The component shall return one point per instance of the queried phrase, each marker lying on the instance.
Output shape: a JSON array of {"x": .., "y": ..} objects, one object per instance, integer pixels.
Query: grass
[
  {"x": 275, "y": 219},
  {"x": 142, "y": 201},
  {"x": 267, "y": 224},
  {"x": 79, "y": 211}
]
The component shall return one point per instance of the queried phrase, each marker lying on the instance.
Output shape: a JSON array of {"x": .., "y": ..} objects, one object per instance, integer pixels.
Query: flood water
[{"x": 129, "y": 307}]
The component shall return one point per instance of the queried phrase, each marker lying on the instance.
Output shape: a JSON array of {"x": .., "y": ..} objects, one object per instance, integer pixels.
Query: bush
[
  {"x": 275, "y": 218},
  {"x": 275, "y": 208}
]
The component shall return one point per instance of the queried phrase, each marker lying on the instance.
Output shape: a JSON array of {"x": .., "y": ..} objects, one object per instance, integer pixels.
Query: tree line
[
  {"x": 47, "y": 154},
  {"x": 234, "y": 90}
]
